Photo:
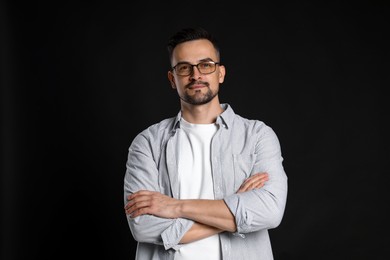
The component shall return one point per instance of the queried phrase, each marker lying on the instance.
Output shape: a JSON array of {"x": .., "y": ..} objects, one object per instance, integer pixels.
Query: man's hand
[
  {"x": 153, "y": 203},
  {"x": 254, "y": 182}
]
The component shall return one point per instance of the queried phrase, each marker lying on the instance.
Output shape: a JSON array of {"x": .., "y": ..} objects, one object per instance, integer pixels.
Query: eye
[
  {"x": 183, "y": 67},
  {"x": 205, "y": 65}
]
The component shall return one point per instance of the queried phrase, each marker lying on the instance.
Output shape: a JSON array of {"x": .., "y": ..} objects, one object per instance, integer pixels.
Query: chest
[{"x": 232, "y": 159}]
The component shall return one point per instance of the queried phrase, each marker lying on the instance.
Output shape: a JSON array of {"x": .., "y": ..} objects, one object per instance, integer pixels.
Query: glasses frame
[{"x": 197, "y": 66}]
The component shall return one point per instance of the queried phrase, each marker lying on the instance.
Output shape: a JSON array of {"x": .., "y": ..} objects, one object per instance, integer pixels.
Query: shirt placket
[
  {"x": 219, "y": 192},
  {"x": 172, "y": 166}
]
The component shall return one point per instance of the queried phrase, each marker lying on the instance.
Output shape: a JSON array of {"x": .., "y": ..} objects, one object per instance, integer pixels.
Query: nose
[{"x": 195, "y": 73}]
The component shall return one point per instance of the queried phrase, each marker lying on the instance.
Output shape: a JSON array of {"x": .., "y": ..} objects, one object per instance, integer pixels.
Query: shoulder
[
  {"x": 240, "y": 122},
  {"x": 254, "y": 129},
  {"x": 253, "y": 125},
  {"x": 259, "y": 133},
  {"x": 163, "y": 125},
  {"x": 158, "y": 130}
]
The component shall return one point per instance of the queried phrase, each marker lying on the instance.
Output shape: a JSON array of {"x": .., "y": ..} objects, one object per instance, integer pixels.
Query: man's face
[{"x": 196, "y": 88}]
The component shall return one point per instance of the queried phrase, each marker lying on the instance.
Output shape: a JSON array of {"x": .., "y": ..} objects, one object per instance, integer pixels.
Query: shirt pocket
[{"x": 243, "y": 165}]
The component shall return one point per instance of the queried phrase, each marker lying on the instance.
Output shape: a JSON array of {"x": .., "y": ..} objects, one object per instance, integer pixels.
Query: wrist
[{"x": 179, "y": 208}]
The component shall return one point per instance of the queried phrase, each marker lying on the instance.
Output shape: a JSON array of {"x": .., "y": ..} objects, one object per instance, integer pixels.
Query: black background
[{"x": 80, "y": 80}]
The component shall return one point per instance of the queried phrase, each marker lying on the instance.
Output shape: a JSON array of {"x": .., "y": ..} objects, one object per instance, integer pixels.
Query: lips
[{"x": 197, "y": 85}]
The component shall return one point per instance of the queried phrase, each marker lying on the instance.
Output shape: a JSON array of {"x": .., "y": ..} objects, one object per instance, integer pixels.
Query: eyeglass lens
[{"x": 185, "y": 69}]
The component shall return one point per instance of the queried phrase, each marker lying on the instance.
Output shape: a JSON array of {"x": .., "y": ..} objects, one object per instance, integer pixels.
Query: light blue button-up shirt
[{"x": 241, "y": 147}]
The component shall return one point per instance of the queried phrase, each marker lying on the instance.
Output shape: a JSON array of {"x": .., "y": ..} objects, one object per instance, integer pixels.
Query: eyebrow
[{"x": 202, "y": 60}]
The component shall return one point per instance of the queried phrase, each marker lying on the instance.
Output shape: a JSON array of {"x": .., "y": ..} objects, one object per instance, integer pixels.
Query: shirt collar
[{"x": 225, "y": 119}]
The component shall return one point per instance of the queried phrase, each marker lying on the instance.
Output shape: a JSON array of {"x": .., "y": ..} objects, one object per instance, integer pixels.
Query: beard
[{"x": 199, "y": 98}]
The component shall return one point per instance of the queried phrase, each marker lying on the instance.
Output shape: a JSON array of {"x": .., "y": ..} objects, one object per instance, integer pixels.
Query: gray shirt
[{"x": 240, "y": 148}]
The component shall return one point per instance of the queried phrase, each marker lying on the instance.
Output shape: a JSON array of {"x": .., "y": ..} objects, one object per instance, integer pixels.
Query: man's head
[
  {"x": 196, "y": 72},
  {"x": 190, "y": 34}
]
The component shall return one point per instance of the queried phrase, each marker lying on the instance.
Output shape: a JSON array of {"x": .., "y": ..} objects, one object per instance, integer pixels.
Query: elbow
[
  {"x": 274, "y": 220},
  {"x": 136, "y": 231},
  {"x": 140, "y": 232},
  {"x": 137, "y": 235},
  {"x": 274, "y": 215},
  {"x": 274, "y": 211},
  {"x": 262, "y": 219},
  {"x": 269, "y": 220}
]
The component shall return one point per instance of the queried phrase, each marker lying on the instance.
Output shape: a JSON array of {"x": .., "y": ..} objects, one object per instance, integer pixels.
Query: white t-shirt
[{"x": 195, "y": 181}]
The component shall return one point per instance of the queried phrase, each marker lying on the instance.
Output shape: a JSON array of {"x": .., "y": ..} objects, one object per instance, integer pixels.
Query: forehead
[{"x": 194, "y": 51}]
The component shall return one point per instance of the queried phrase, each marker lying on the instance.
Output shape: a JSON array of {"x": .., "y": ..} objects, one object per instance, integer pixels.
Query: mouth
[{"x": 197, "y": 85}]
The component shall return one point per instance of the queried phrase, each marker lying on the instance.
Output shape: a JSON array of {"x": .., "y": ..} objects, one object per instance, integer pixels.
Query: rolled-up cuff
[
  {"x": 233, "y": 203},
  {"x": 174, "y": 233}
]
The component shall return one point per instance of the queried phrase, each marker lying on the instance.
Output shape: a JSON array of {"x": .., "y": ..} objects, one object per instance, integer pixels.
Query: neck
[{"x": 201, "y": 114}]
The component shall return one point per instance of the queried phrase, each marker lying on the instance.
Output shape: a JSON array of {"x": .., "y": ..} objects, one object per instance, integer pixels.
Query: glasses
[{"x": 204, "y": 67}]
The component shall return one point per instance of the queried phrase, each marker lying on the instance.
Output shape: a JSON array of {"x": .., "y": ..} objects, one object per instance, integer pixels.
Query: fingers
[
  {"x": 139, "y": 193},
  {"x": 151, "y": 203},
  {"x": 139, "y": 202},
  {"x": 136, "y": 203},
  {"x": 254, "y": 182}
]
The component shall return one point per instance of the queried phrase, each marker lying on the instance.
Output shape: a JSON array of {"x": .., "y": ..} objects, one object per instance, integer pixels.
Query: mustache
[{"x": 197, "y": 83}]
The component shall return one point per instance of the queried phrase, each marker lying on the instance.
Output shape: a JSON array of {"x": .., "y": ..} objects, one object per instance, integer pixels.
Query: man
[{"x": 208, "y": 183}]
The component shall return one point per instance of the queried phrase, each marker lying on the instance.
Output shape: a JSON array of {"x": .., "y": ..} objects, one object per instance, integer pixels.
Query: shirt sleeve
[
  {"x": 262, "y": 208},
  {"x": 142, "y": 174}
]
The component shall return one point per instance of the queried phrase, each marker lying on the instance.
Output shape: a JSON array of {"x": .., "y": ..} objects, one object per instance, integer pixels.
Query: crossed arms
[
  {"x": 161, "y": 219},
  {"x": 210, "y": 216}
]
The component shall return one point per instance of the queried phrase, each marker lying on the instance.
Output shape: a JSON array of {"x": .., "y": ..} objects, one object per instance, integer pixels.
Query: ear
[
  {"x": 171, "y": 79},
  {"x": 222, "y": 73}
]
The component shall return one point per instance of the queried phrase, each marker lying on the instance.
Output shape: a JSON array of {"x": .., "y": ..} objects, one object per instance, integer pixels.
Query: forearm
[
  {"x": 211, "y": 213},
  {"x": 199, "y": 231},
  {"x": 214, "y": 213}
]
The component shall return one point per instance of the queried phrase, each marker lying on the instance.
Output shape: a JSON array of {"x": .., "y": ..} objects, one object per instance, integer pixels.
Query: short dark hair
[{"x": 190, "y": 34}]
